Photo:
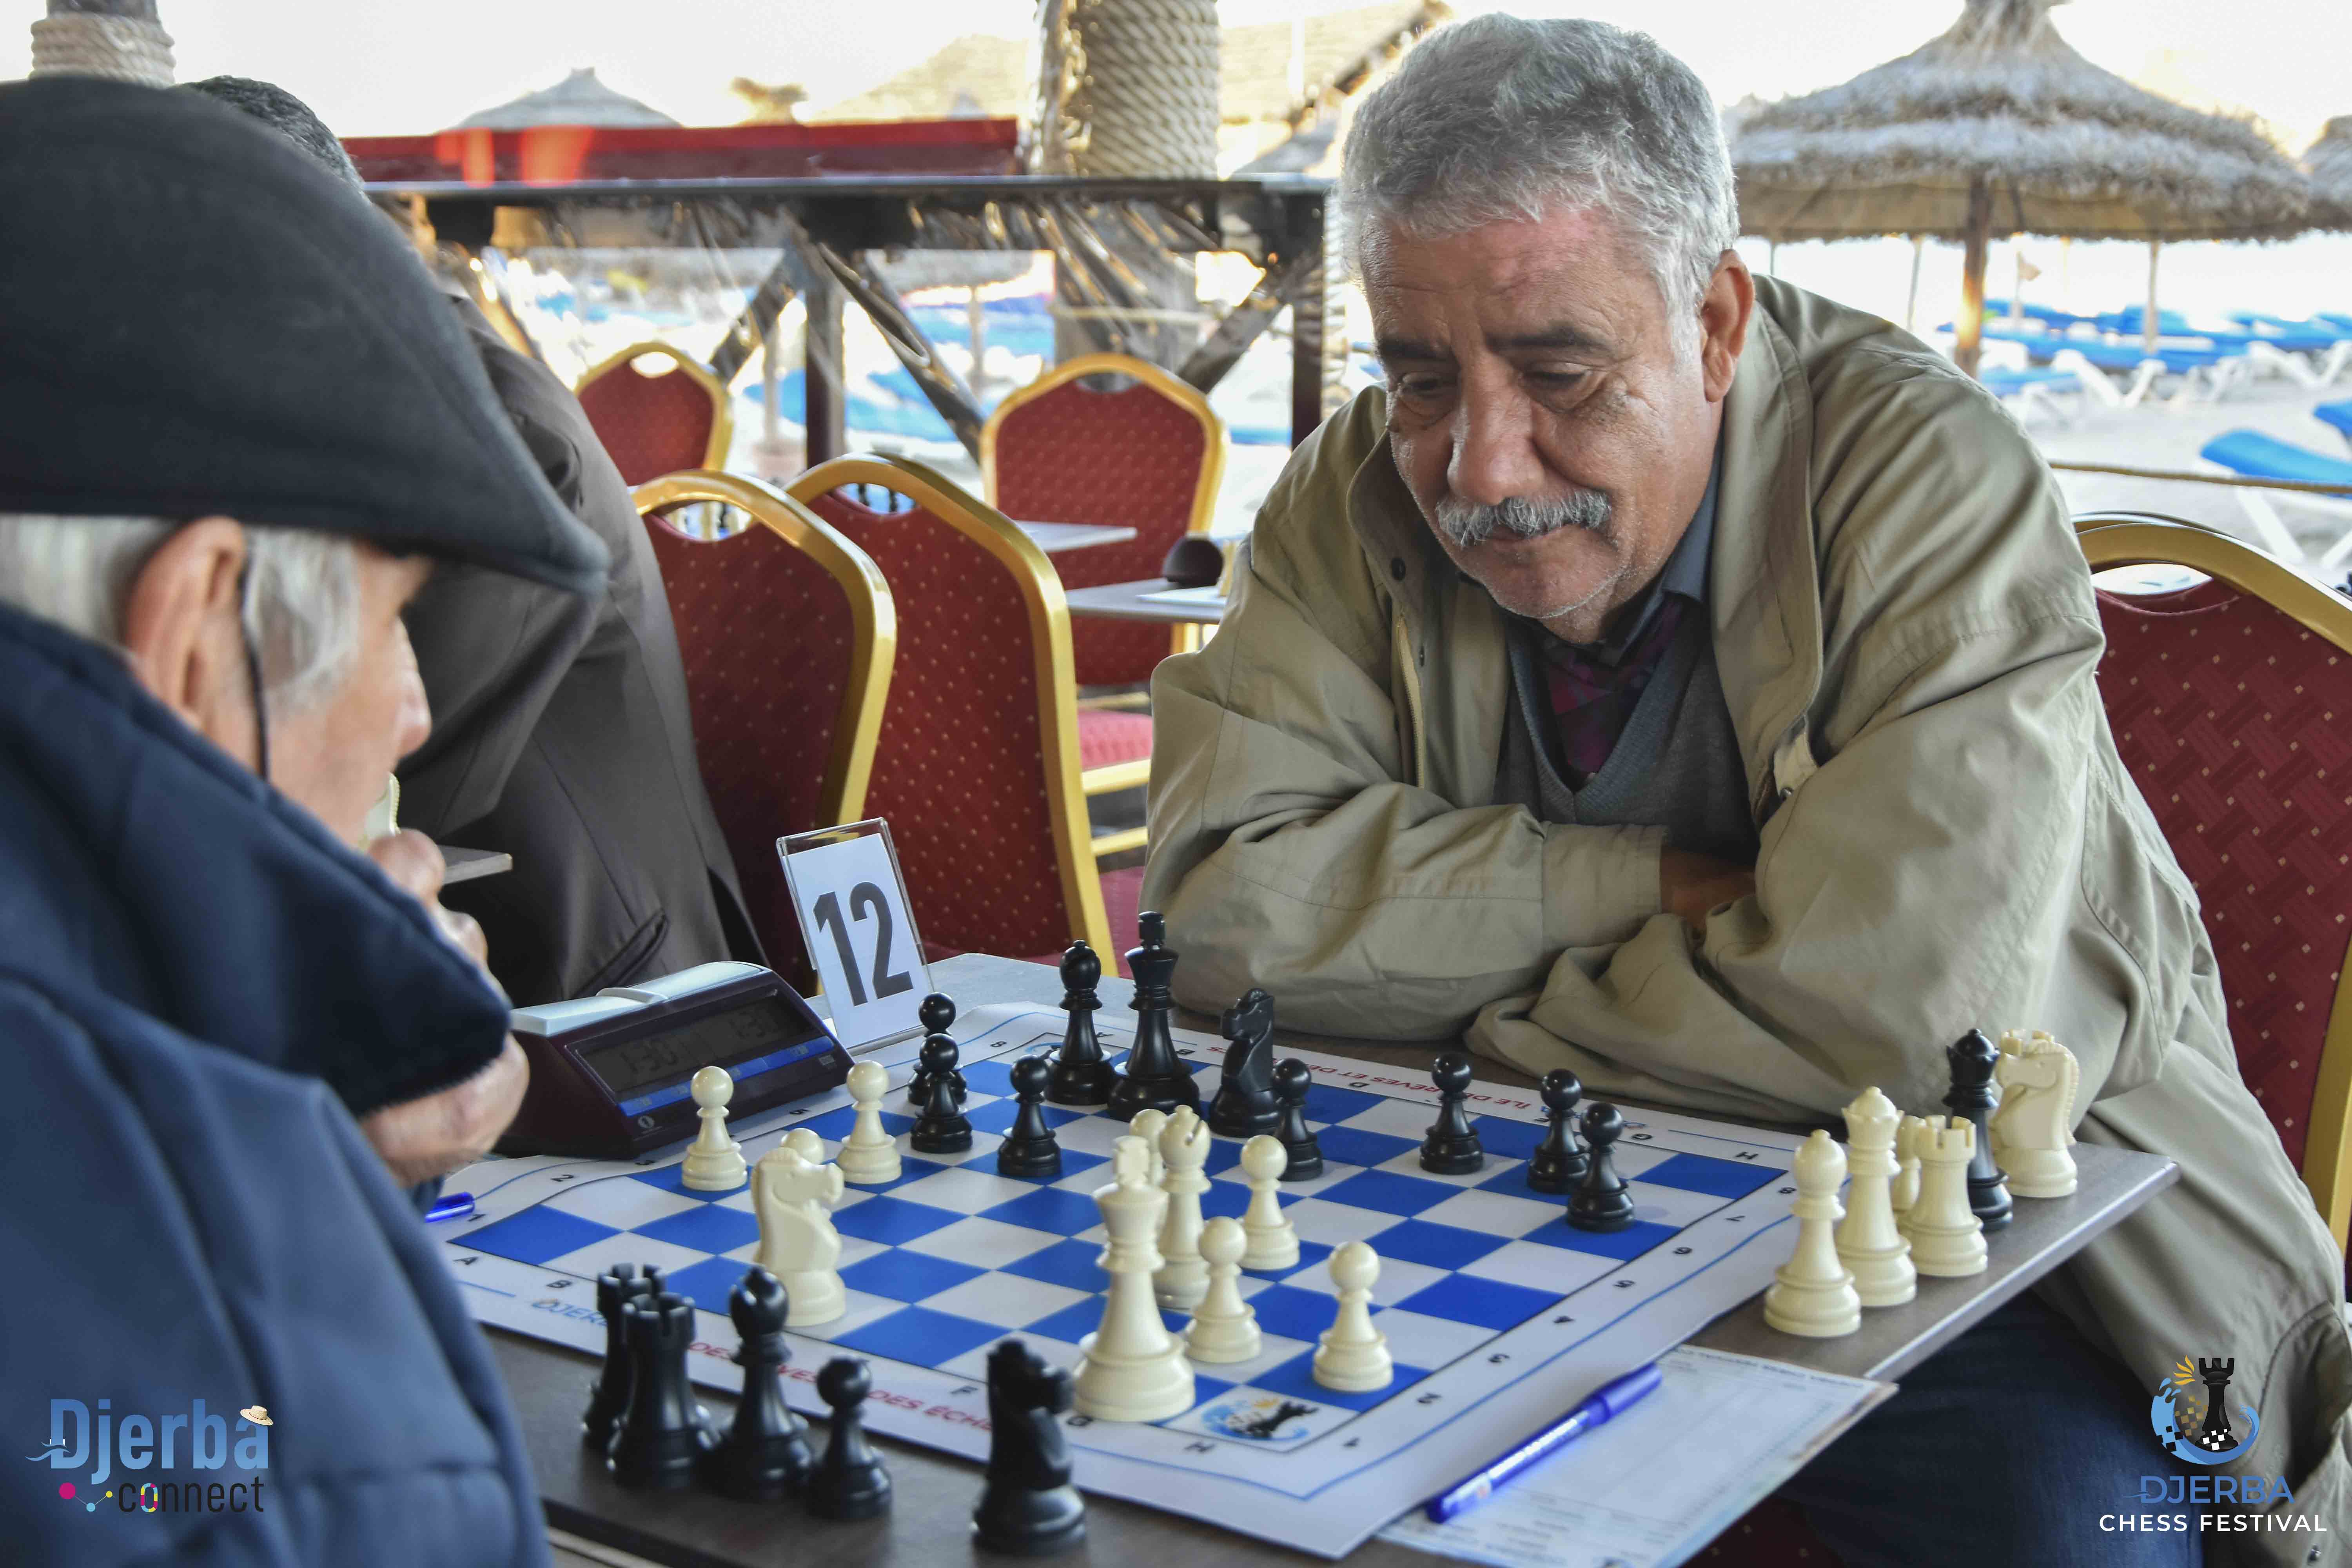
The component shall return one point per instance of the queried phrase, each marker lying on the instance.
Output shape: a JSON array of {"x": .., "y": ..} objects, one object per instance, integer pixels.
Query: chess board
[{"x": 1499, "y": 1315}]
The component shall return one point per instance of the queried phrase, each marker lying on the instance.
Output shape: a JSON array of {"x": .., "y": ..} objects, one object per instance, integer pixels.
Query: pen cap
[{"x": 1615, "y": 1398}]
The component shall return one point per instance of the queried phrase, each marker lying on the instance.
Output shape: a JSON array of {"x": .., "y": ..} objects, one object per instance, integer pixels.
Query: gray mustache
[{"x": 1467, "y": 523}]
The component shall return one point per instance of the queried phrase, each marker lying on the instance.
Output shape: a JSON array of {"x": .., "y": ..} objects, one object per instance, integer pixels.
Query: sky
[{"x": 374, "y": 66}]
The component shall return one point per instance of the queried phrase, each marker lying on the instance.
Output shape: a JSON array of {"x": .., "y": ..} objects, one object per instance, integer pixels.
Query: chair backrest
[
  {"x": 657, "y": 419},
  {"x": 977, "y": 766},
  {"x": 788, "y": 635},
  {"x": 2224, "y": 698},
  {"x": 1147, "y": 456}
]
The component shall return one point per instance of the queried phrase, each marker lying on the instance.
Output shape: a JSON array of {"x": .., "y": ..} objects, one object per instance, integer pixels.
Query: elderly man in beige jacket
[{"x": 1681, "y": 679}]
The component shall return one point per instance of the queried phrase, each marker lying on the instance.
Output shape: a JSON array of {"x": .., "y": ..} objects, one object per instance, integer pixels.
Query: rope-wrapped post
[{"x": 122, "y": 41}]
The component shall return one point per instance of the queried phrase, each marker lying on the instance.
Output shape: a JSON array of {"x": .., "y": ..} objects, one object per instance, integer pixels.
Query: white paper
[
  {"x": 850, "y": 903},
  {"x": 1654, "y": 1486}
]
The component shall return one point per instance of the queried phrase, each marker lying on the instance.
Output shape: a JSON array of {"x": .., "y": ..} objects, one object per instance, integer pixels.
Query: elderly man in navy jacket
[{"x": 237, "y": 427}]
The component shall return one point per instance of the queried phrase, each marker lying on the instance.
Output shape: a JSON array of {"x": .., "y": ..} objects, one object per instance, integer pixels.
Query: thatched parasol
[
  {"x": 1998, "y": 128},
  {"x": 578, "y": 99},
  {"x": 2329, "y": 164}
]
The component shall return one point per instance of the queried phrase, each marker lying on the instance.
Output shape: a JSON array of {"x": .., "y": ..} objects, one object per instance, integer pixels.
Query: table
[
  {"x": 930, "y": 1517},
  {"x": 1126, "y": 602},
  {"x": 465, "y": 865},
  {"x": 1053, "y": 538}
]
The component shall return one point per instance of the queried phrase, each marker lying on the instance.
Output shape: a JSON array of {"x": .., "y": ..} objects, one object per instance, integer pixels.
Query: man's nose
[{"x": 1494, "y": 457}]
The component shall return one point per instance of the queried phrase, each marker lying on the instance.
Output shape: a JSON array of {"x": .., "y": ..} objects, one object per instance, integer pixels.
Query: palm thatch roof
[
  {"x": 578, "y": 99},
  {"x": 2329, "y": 164},
  {"x": 2001, "y": 101}
]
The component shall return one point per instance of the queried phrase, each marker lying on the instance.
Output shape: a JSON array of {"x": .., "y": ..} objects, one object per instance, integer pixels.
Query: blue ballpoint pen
[
  {"x": 451, "y": 1205},
  {"x": 1605, "y": 1403}
]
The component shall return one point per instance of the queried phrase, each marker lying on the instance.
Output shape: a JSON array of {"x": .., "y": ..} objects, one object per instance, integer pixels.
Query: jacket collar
[{"x": 139, "y": 861}]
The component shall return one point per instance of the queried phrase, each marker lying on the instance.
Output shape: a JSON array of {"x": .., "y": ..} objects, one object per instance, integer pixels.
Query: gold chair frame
[
  {"x": 723, "y": 409},
  {"x": 873, "y": 618},
  {"x": 2137, "y": 539},
  {"x": 1049, "y": 625}
]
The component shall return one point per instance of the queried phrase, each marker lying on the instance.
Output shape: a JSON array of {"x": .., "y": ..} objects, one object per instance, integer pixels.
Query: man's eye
[
  {"x": 1557, "y": 379},
  {"x": 1419, "y": 387}
]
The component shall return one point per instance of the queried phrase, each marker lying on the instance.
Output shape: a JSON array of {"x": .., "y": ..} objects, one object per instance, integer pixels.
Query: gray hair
[
  {"x": 1500, "y": 118},
  {"x": 301, "y": 592}
]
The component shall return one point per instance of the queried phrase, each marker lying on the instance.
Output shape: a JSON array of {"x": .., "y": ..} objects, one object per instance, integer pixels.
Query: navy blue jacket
[{"x": 198, "y": 990}]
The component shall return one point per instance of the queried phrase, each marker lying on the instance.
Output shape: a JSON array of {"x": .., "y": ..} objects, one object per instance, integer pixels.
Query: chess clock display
[{"x": 610, "y": 1073}]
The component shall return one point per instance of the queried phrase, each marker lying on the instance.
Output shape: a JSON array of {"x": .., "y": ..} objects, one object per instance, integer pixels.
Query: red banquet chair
[
  {"x": 657, "y": 418},
  {"x": 977, "y": 764},
  {"x": 788, "y": 635}
]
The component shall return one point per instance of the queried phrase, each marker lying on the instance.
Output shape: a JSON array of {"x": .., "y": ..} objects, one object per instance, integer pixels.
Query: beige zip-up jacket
[{"x": 1907, "y": 642}]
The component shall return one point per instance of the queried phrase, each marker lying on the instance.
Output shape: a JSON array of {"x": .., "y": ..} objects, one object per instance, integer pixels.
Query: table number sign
[{"x": 859, "y": 928}]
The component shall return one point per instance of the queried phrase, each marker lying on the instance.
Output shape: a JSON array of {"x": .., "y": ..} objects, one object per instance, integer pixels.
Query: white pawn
[
  {"x": 715, "y": 1163},
  {"x": 790, "y": 1197},
  {"x": 1352, "y": 1357},
  {"x": 869, "y": 1156},
  {"x": 1223, "y": 1326},
  {"x": 2038, "y": 1078},
  {"x": 1812, "y": 1294},
  {"x": 1272, "y": 1239},
  {"x": 1947, "y": 1239},
  {"x": 1868, "y": 1242},
  {"x": 1148, "y": 1125},
  {"x": 1131, "y": 1368},
  {"x": 1907, "y": 1158},
  {"x": 1182, "y": 1277},
  {"x": 804, "y": 1142}
]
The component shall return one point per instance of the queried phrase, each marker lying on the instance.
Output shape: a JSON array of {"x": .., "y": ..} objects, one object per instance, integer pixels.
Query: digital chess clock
[{"x": 609, "y": 1073}]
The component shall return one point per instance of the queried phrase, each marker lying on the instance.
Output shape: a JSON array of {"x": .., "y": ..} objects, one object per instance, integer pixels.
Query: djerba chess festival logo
[
  {"x": 2191, "y": 1418},
  {"x": 179, "y": 1447}
]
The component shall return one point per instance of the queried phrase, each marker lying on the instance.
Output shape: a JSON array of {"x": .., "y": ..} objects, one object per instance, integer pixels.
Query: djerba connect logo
[
  {"x": 177, "y": 1447},
  {"x": 2190, "y": 1417}
]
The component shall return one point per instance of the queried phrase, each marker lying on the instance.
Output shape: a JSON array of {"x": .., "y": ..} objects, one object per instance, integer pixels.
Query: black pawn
[
  {"x": 608, "y": 1396},
  {"x": 1558, "y": 1160},
  {"x": 1973, "y": 1057},
  {"x": 938, "y": 1014},
  {"x": 1028, "y": 1507},
  {"x": 849, "y": 1482},
  {"x": 1029, "y": 1149},
  {"x": 942, "y": 1129},
  {"x": 1156, "y": 1078},
  {"x": 1082, "y": 1073},
  {"x": 766, "y": 1454},
  {"x": 1452, "y": 1147},
  {"x": 1291, "y": 1081},
  {"x": 660, "y": 1442},
  {"x": 1245, "y": 1104},
  {"x": 1601, "y": 1201}
]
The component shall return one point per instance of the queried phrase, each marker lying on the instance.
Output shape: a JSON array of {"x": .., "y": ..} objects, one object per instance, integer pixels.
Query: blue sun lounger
[{"x": 2249, "y": 454}]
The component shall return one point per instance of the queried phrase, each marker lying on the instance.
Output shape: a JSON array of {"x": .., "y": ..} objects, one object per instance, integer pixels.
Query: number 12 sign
[{"x": 858, "y": 928}]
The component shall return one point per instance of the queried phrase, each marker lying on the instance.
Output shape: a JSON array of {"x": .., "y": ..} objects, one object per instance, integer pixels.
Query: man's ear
[
  {"x": 180, "y": 628},
  {"x": 1723, "y": 314}
]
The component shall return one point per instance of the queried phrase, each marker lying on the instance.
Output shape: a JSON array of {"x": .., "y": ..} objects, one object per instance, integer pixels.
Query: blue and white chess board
[{"x": 1499, "y": 1315}]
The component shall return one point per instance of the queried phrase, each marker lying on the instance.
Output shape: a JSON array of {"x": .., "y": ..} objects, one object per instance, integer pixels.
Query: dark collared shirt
[{"x": 1594, "y": 686}]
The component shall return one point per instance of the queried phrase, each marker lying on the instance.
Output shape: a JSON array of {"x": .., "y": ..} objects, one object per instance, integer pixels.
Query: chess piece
[
  {"x": 937, "y": 1015},
  {"x": 715, "y": 1163},
  {"x": 1245, "y": 1104},
  {"x": 849, "y": 1481},
  {"x": 1812, "y": 1294},
  {"x": 1148, "y": 1125},
  {"x": 942, "y": 1129},
  {"x": 1559, "y": 1161},
  {"x": 869, "y": 1155},
  {"x": 1352, "y": 1357},
  {"x": 806, "y": 1142},
  {"x": 1182, "y": 1277},
  {"x": 608, "y": 1397},
  {"x": 1601, "y": 1201},
  {"x": 2031, "y": 1132},
  {"x": 1082, "y": 1074},
  {"x": 2215, "y": 1436},
  {"x": 1131, "y": 1368},
  {"x": 1906, "y": 1159},
  {"x": 1292, "y": 1079},
  {"x": 1030, "y": 1148},
  {"x": 1273, "y": 1240},
  {"x": 1946, "y": 1237},
  {"x": 1452, "y": 1147},
  {"x": 1156, "y": 1077},
  {"x": 798, "y": 1245},
  {"x": 1973, "y": 1058},
  {"x": 765, "y": 1455},
  {"x": 1028, "y": 1507},
  {"x": 661, "y": 1440},
  {"x": 1223, "y": 1326},
  {"x": 1867, "y": 1241}
]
